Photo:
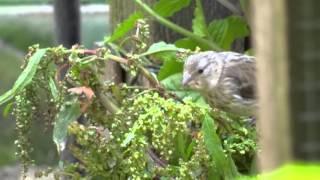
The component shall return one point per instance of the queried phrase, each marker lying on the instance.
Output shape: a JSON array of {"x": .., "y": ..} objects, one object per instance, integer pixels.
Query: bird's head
[{"x": 202, "y": 71}]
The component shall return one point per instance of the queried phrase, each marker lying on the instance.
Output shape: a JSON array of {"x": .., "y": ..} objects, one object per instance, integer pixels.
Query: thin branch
[
  {"x": 156, "y": 159},
  {"x": 230, "y": 6},
  {"x": 154, "y": 82},
  {"x": 105, "y": 100},
  {"x": 116, "y": 59}
]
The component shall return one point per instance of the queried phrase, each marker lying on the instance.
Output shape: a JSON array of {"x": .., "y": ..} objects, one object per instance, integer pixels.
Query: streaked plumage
[{"x": 226, "y": 79}]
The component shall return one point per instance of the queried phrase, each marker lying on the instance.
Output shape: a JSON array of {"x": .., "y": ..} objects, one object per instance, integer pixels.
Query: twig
[
  {"x": 89, "y": 51},
  {"x": 115, "y": 58},
  {"x": 105, "y": 100},
  {"x": 230, "y": 6},
  {"x": 154, "y": 82},
  {"x": 156, "y": 159}
]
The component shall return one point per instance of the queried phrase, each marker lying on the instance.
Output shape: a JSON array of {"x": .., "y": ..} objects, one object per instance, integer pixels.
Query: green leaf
[
  {"x": 7, "y": 110},
  {"x": 69, "y": 111},
  {"x": 173, "y": 84},
  {"x": 53, "y": 89},
  {"x": 224, "y": 166},
  {"x": 25, "y": 77},
  {"x": 170, "y": 67},
  {"x": 166, "y": 53},
  {"x": 160, "y": 47},
  {"x": 199, "y": 25},
  {"x": 129, "y": 137},
  {"x": 181, "y": 146},
  {"x": 167, "y": 8},
  {"x": 225, "y": 31},
  {"x": 188, "y": 43},
  {"x": 122, "y": 29},
  {"x": 190, "y": 148}
]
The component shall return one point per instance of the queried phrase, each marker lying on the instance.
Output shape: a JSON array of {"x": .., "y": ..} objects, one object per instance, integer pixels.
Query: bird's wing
[{"x": 238, "y": 76}]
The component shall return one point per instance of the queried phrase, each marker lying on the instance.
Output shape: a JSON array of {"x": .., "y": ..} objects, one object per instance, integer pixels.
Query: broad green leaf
[
  {"x": 173, "y": 84},
  {"x": 69, "y": 111},
  {"x": 181, "y": 143},
  {"x": 160, "y": 47},
  {"x": 225, "y": 31},
  {"x": 166, "y": 53},
  {"x": 25, "y": 77},
  {"x": 167, "y": 8},
  {"x": 190, "y": 148},
  {"x": 223, "y": 165},
  {"x": 188, "y": 43},
  {"x": 170, "y": 67},
  {"x": 122, "y": 29},
  {"x": 184, "y": 146},
  {"x": 199, "y": 26}
]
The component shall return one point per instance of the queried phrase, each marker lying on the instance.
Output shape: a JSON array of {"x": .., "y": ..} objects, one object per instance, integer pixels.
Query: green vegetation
[
  {"x": 19, "y": 32},
  {"x": 130, "y": 131},
  {"x": 9, "y": 72},
  {"x": 289, "y": 171},
  {"x": 24, "y": 2}
]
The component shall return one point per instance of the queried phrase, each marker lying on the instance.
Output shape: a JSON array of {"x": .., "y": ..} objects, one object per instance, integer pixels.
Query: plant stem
[
  {"x": 116, "y": 59},
  {"x": 178, "y": 28},
  {"x": 105, "y": 100},
  {"x": 154, "y": 82},
  {"x": 230, "y": 6}
]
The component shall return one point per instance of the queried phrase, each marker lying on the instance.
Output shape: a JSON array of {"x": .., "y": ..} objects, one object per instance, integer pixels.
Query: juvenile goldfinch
[{"x": 226, "y": 79}]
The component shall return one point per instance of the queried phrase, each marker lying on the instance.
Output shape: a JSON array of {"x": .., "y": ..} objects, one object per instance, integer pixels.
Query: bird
[{"x": 226, "y": 80}]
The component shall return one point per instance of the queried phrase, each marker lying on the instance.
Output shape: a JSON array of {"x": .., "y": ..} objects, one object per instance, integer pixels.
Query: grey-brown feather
[{"x": 231, "y": 86}]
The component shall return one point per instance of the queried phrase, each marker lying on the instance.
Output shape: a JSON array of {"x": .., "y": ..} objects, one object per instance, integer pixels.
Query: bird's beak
[{"x": 186, "y": 79}]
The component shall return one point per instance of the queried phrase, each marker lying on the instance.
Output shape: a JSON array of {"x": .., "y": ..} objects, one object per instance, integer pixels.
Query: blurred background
[
  {"x": 27, "y": 22},
  {"x": 290, "y": 88}
]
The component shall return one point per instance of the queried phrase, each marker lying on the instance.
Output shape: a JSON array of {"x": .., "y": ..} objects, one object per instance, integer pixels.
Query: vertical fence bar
[{"x": 304, "y": 55}]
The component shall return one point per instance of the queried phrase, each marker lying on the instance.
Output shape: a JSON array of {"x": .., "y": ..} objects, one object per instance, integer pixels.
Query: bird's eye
[{"x": 200, "y": 71}]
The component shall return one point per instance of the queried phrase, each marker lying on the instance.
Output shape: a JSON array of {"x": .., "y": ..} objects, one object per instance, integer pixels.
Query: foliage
[
  {"x": 289, "y": 171},
  {"x": 20, "y": 2},
  {"x": 168, "y": 8},
  {"x": 17, "y": 33},
  {"x": 126, "y": 131}
]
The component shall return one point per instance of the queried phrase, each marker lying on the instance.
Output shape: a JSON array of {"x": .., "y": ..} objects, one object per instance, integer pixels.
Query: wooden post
[
  {"x": 287, "y": 41},
  {"x": 271, "y": 45},
  {"x": 67, "y": 22},
  {"x": 67, "y": 27}
]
